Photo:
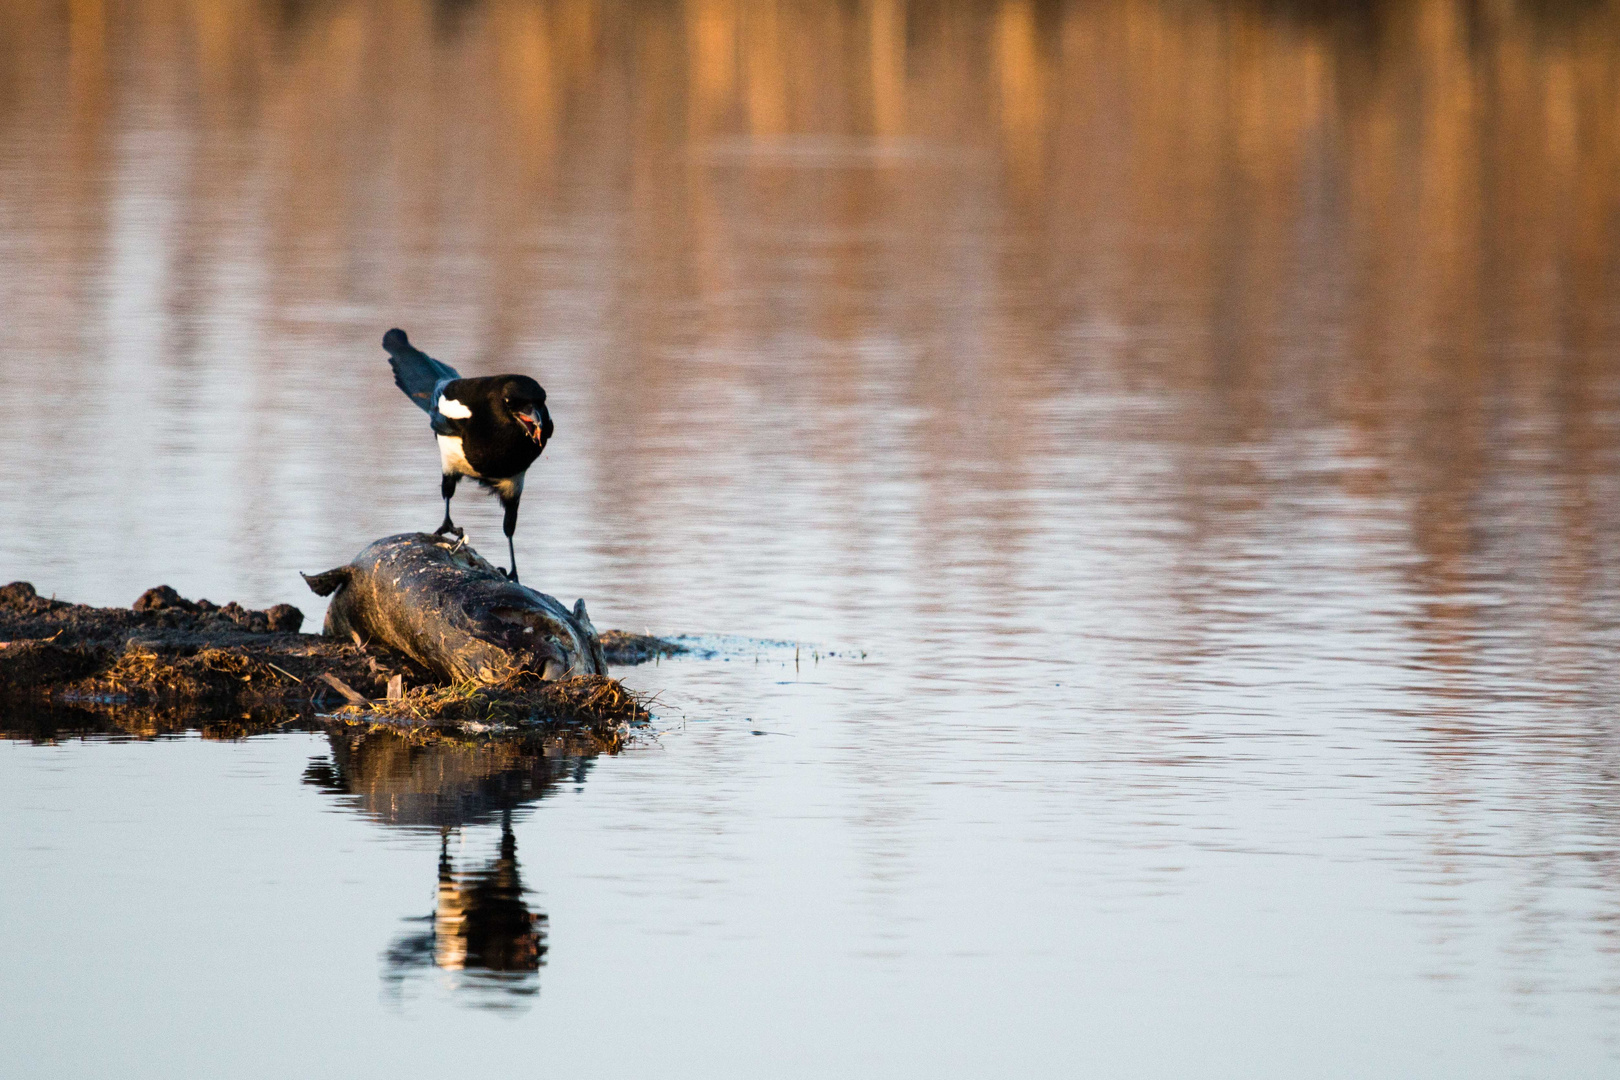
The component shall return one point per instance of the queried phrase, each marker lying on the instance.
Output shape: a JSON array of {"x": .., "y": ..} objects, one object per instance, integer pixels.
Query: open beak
[{"x": 531, "y": 424}]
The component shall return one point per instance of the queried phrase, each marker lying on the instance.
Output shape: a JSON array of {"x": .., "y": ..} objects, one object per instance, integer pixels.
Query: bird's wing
[
  {"x": 442, "y": 424},
  {"x": 415, "y": 372}
]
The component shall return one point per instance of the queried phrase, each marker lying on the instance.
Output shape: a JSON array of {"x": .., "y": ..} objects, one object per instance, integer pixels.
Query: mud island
[{"x": 422, "y": 636}]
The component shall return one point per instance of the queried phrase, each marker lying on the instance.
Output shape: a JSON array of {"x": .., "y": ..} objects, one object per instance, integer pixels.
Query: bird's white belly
[{"x": 451, "y": 457}]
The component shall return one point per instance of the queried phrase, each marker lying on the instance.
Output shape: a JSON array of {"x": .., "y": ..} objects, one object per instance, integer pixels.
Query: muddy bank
[
  {"x": 242, "y": 669},
  {"x": 165, "y": 648}
]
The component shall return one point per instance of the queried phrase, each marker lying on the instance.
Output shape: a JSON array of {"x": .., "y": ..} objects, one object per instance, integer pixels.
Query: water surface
[{"x": 1182, "y": 441}]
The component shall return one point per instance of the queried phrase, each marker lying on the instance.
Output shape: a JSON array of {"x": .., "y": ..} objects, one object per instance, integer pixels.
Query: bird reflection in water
[
  {"x": 483, "y": 936},
  {"x": 481, "y": 933}
]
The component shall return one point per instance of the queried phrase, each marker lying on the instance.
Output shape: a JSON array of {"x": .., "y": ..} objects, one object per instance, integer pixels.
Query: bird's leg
[
  {"x": 509, "y": 526},
  {"x": 447, "y": 488}
]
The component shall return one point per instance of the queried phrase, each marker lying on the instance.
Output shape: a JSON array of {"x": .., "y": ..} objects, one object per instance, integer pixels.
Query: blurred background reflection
[{"x": 892, "y": 255}]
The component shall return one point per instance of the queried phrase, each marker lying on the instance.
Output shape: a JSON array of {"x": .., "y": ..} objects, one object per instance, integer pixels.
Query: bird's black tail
[{"x": 415, "y": 372}]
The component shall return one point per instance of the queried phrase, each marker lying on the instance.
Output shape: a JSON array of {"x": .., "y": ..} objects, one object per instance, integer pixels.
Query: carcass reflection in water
[{"x": 482, "y": 934}]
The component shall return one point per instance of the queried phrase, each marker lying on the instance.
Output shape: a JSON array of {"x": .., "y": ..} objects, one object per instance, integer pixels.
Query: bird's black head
[{"x": 524, "y": 400}]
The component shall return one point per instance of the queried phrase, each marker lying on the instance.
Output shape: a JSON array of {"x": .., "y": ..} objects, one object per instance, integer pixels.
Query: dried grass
[
  {"x": 206, "y": 674},
  {"x": 601, "y": 706}
]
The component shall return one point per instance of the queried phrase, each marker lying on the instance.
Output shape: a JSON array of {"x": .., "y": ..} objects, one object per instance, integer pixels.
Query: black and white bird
[{"x": 490, "y": 429}]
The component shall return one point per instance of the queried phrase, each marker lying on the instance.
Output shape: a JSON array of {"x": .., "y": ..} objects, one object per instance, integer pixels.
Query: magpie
[{"x": 490, "y": 429}]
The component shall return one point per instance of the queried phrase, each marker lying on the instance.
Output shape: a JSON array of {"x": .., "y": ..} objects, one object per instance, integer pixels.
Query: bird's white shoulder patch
[
  {"x": 449, "y": 406},
  {"x": 452, "y": 459}
]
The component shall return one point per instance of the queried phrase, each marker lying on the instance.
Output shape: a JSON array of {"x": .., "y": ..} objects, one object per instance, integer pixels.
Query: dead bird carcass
[{"x": 438, "y": 602}]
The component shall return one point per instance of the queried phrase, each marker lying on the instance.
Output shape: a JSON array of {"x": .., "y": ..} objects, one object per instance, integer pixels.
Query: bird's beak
[{"x": 531, "y": 424}]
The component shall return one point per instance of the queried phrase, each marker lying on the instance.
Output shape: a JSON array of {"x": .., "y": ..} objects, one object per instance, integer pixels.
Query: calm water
[{"x": 1194, "y": 427}]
